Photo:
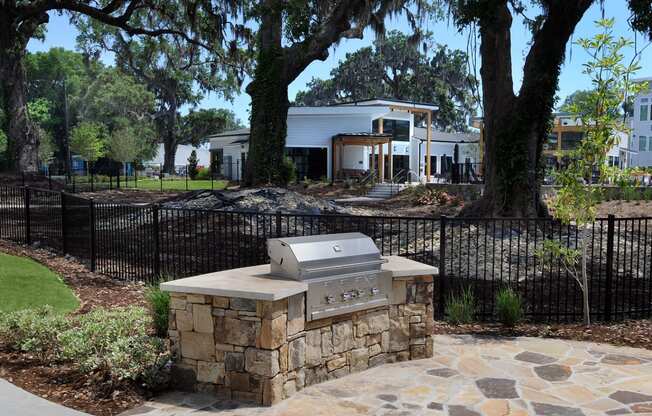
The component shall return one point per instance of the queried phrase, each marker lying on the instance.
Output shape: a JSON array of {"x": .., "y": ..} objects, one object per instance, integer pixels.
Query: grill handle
[{"x": 342, "y": 266}]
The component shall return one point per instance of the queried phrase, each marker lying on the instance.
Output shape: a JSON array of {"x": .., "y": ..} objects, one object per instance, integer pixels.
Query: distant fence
[
  {"x": 97, "y": 183},
  {"x": 147, "y": 242}
]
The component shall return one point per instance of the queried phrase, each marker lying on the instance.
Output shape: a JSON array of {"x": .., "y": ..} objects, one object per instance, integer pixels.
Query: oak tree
[
  {"x": 290, "y": 35},
  {"x": 516, "y": 123},
  {"x": 25, "y": 20}
]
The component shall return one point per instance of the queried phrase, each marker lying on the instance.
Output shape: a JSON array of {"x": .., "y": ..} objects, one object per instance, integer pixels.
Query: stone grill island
[{"x": 242, "y": 334}]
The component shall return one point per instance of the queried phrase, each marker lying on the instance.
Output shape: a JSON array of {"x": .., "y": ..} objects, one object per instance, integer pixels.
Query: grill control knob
[
  {"x": 330, "y": 299},
  {"x": 375, "y": 291},
  {"x": 346, "y": 296}
]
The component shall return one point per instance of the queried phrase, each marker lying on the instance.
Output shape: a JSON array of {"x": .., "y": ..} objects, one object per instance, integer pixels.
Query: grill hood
[{"x": 303, "y": 258}]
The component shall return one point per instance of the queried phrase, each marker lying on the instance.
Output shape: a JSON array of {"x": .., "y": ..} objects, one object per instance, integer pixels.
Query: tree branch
[{"x": 334, "y": 27}]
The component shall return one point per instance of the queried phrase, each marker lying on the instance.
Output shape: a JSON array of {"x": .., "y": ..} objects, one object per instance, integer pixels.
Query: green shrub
[
  {"x": 115, "y": 344},
  {"x": 288, "y": 171},
  {"x": 139, "y": 358},
  {"x": 159, "y": 305},
  {"x": 33, "y": 330},
  {"x": 461, "y": 309},
  {"x": 509, "y": 307},
  {"x": 203, "y": 174},
  {"x": 192, "y": 165},
  {"x": 630, "y": 193},
  {"x": 647, "y": 194}
]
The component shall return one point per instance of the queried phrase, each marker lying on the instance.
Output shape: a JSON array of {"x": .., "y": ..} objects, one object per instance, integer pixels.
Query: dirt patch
[
  {"x": 403, "y": 205},
  {"x": 633, "y": 333},
  {"x": 623, "y": 209},
  {"x": 269, "y": 199},
  {"x": 32, "y": 180},
  {"x": 131, "y": 196},
  {"x": 61, "y": 384},
  {"x": 327, "y": 190}
]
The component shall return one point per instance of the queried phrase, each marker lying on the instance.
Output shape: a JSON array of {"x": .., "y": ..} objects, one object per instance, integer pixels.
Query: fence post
[
  {"x": 279, "y": 224},
  {"x": 64, "y": 246},
  {"x": 93, "y": 242},
  {"x": 443, "y": 285},
  {"x": 28, "y": 224},
  {"x": 608, "y": 296},
  {"x": 157, "y": 247}
]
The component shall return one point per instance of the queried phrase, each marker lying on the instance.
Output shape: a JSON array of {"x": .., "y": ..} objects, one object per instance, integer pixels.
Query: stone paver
[
  {"x": 15, "y": 401},
  {"x": 467, "y": 376}
]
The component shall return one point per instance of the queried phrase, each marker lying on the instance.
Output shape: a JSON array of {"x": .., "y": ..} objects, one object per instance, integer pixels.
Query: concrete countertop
[
  {"x": 402, "y": 267},
  {"x": 256, "y": 283}
]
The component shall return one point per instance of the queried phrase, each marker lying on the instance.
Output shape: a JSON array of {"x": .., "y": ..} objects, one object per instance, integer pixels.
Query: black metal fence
[
  {"x": 466, "y": 173},
  {"x": 489, "y": 254},
  {"x": 146, "y": 242}
]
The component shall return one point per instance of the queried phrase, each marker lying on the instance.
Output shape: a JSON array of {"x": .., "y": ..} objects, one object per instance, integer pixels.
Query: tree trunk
[
  {"x": 22, "y": 139},
  {"x": 269, "y": 105},
  {"x": 585, "y": 282},
  {"x": 169, "y": 155},
  {"x": 516, "y": 126}
]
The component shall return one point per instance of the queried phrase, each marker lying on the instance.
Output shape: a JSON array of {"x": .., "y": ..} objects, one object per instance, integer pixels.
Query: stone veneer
[{"x": 264, "y": 351}]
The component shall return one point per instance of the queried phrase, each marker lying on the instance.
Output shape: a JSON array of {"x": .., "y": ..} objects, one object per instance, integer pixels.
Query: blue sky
[{"x": 61, "y": 34}]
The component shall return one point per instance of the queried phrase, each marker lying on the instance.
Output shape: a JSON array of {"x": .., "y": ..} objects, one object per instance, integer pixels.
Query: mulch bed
[
  {"x": 61, "y": 384},
  {"x": 633, "y": 333},
  {"x": 58, "y": 382}
]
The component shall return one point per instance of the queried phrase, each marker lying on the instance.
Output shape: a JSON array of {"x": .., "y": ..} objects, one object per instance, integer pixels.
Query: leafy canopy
[
  {"x": 87, "y": 139},
  {"x": 397, "y": 68},
  {"x": 124, "y": 144},
  {"x": 599, "y": 111}
]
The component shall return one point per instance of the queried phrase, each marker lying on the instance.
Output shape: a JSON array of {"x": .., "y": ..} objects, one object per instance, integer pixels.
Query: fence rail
[{"x": 143, "y": 243}]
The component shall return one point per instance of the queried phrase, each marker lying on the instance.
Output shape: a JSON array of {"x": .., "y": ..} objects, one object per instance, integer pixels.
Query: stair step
[{"x": 385, "y": 190}]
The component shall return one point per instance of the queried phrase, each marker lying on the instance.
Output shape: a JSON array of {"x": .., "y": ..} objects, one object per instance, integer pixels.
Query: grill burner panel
[{"x": 343, "y": 272}]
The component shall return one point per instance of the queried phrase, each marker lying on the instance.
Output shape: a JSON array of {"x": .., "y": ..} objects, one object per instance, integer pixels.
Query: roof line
[{"x": 394, "y": 100}]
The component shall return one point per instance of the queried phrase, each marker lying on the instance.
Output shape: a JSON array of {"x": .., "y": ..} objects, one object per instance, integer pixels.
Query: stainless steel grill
[{"x": 343, "y": 271}]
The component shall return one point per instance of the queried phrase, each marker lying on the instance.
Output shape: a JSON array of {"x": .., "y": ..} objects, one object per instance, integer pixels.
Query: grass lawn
[
  {"x": 178, "y": 184},
  {"x": 25, "y": 284}
]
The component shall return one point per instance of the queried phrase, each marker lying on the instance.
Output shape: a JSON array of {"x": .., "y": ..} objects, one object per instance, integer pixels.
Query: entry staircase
[{"x": 386, "y": 190}]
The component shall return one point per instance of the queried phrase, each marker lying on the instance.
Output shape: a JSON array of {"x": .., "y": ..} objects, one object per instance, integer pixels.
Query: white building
[
  {"x": 181, "y": 157},
  {"x": 344, "y": 140},
  {"x": 639, "y": 148}
]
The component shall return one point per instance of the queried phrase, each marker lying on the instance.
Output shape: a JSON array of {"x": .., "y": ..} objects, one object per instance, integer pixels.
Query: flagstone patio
[{"x": 468, "y": 376}]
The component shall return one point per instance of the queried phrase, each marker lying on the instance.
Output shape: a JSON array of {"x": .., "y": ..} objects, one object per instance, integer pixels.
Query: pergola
[{"x": 363, "y": 139}]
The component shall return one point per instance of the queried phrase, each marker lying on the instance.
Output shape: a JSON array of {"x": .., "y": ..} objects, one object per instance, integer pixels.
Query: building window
[
  {"x": 571, "y": 140},
  {"x": 399, "y": 129},
  {"x": 644, "y": 112},
  {"x": 311, "y": 163},
  {"x": 551, "y": 142},
  {"x": 614, "y": 161},
  {"x": 642, "y": 143}
]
